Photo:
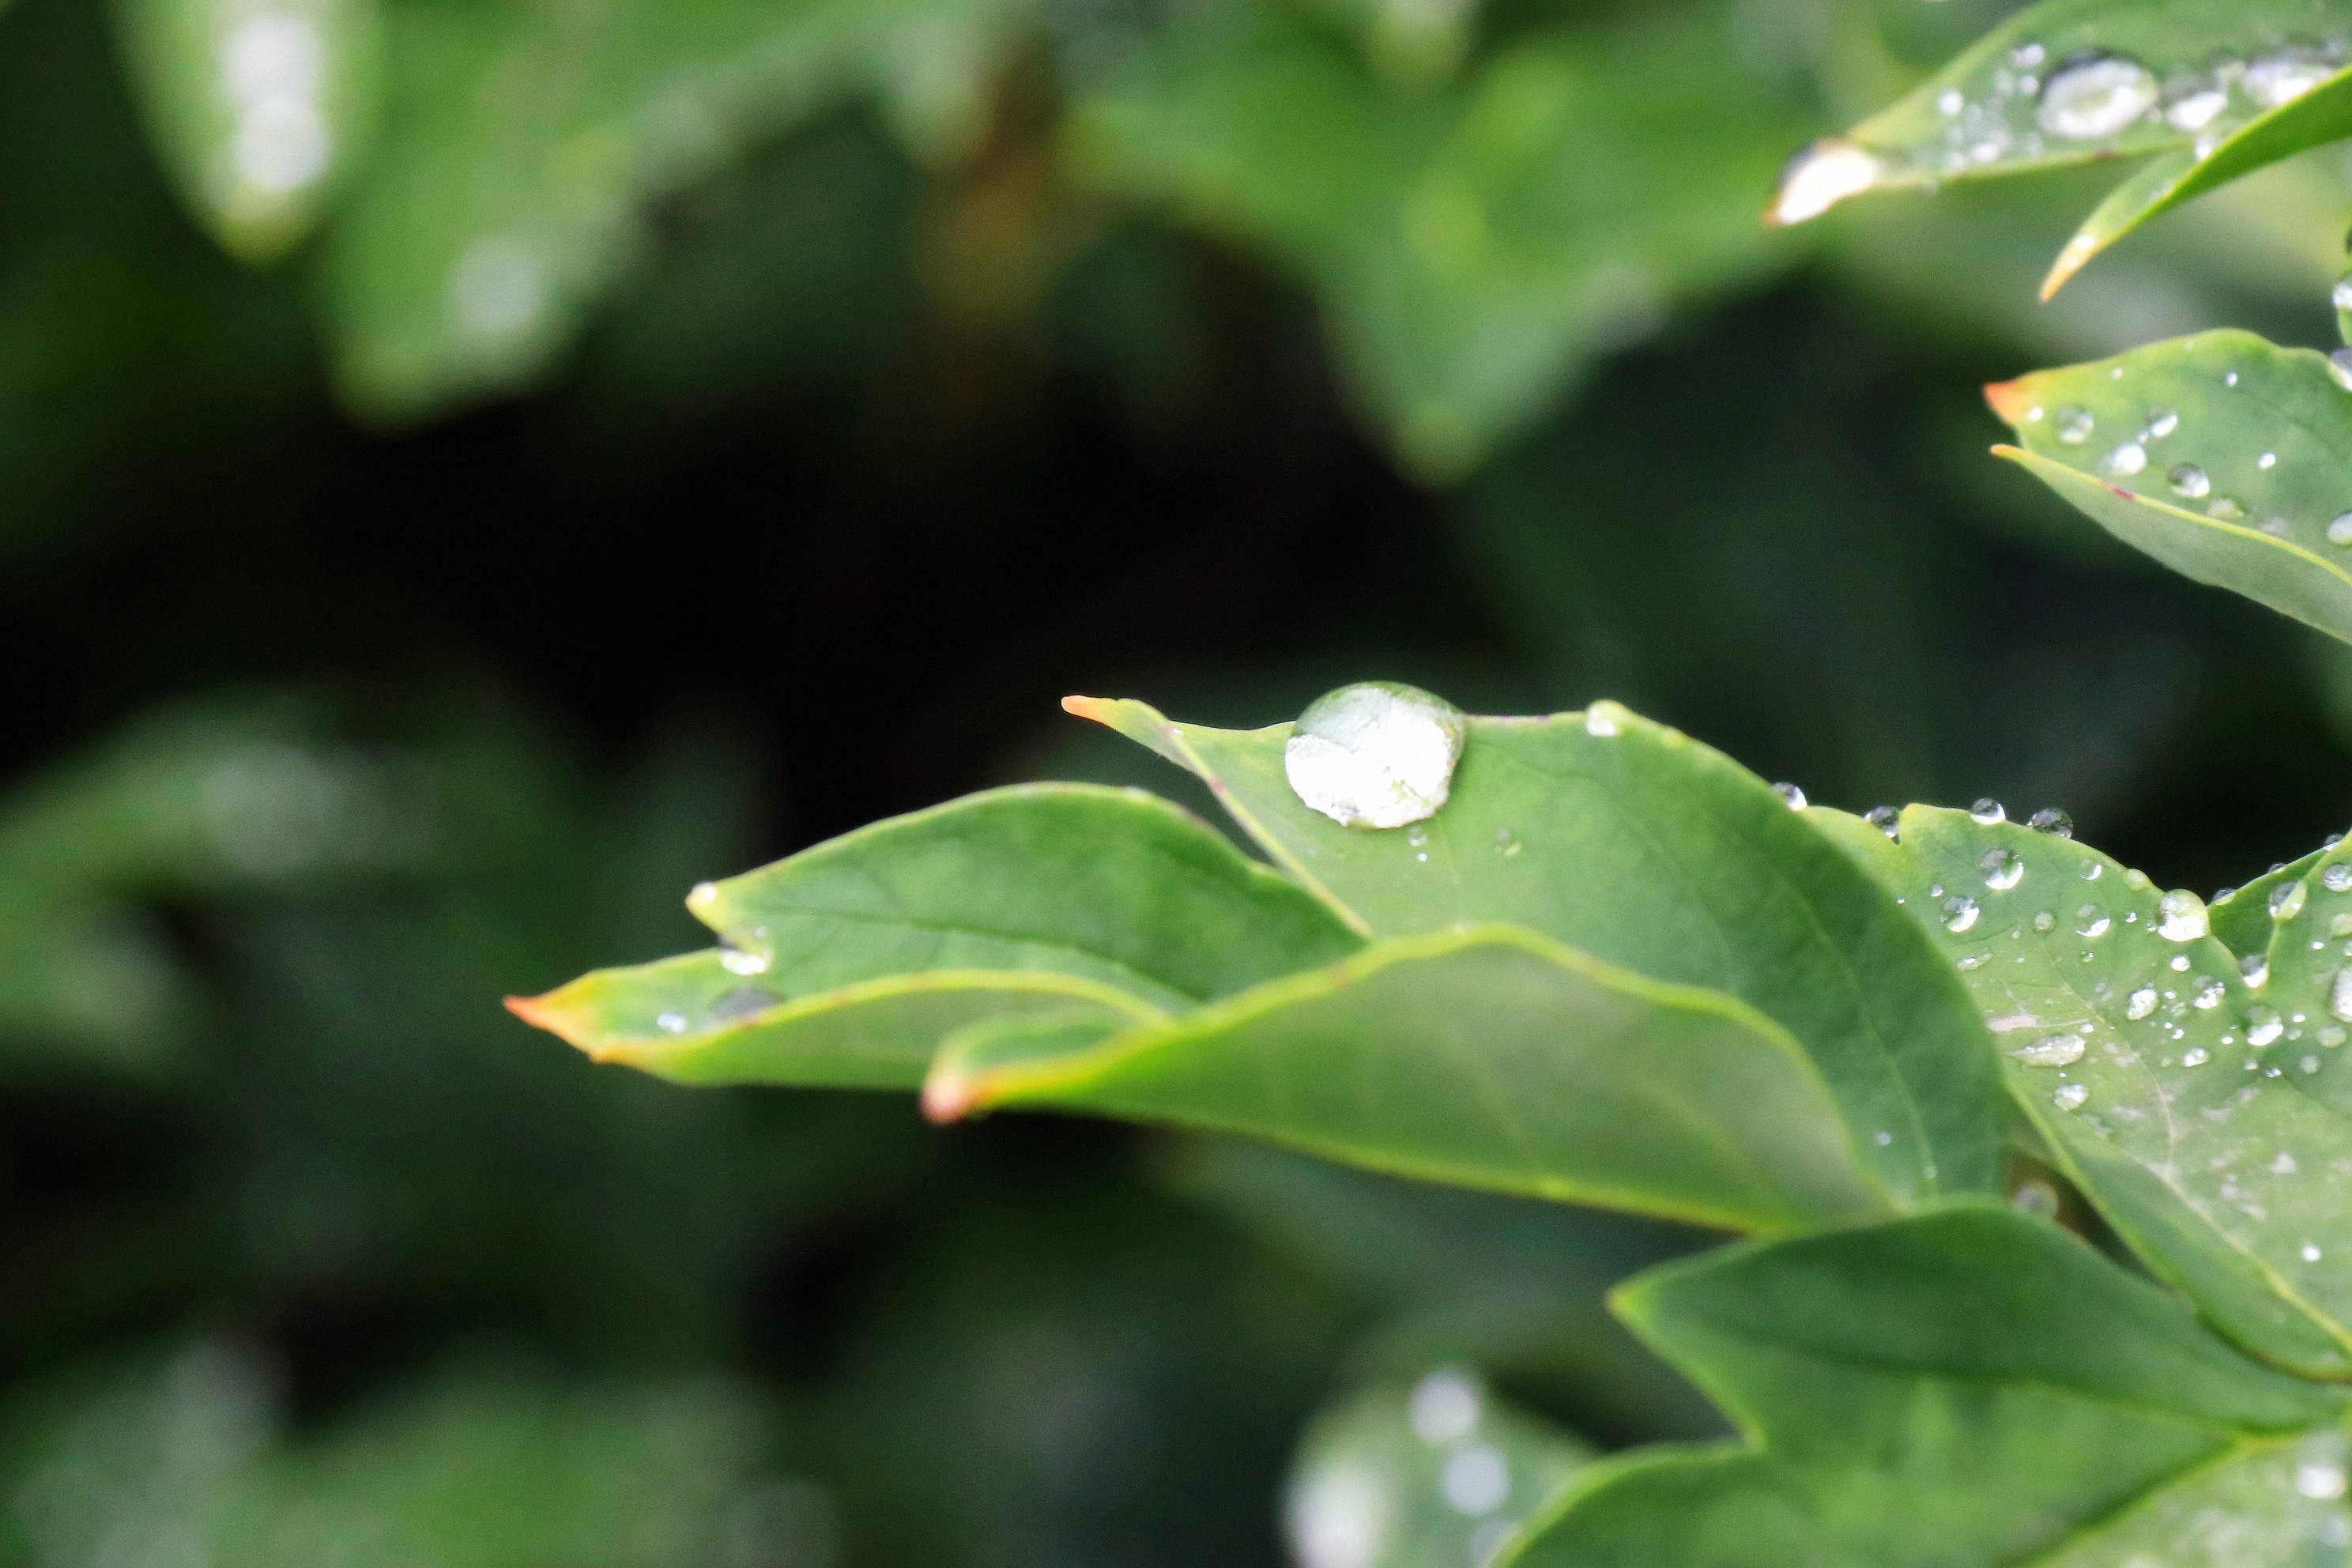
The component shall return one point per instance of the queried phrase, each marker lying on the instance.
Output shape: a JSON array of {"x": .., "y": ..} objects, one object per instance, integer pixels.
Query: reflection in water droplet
[
  {"x": 2140, "y": 1003},
  {"x": 2045, "y": 922},
  {"x": 2002, "y": 869},
  {"x": 2208, "y": 992},
  {"x": 2267, "y": 460},
  {"x": 2263, "y": 1025},
  {"x": 1886, "y": 819},
  {"x": 1961, "y": 913},
  {"x": 1602, "y": 719},
  {"x": 2196, "y": 110},
  {"x": 2092, "y": 869},
  {"x": 2073, "y": 424},
  {"x": 2051, "y": 1051},
  {"x": 2052, "y": 820},
  {"x": 2195, "y": 1056},
  {"x": 1375, "y": 755},
  {"x": 1790, "y": 796},
  {"x": 2096, "y": 96},
  {"x": 2037, "y": 1199},
  {"x": 2128, "y": 459},
  {"x": 2090, "y": 920},
  {"x": 2182, "y": 915},
  {"x": 2188, "y": 479},
  {"x": 2337, "y": 878},
  {"x": 2071, "y": 1096},
  {"x": 2254, "y": 969},
  {"x": 2161, "y": 422},
  {"x": 1986, "y": 812},
  {"x": 2287, "y": 900},
  {"x": 1820, "y": 176}
]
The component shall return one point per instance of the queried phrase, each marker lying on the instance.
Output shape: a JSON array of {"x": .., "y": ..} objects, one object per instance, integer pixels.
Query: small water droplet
[
  {"x": 1986, "y": 812},
  {"x": 743, "y": 1001},
  {"x": 671, "y": 1023},
  {"x": 2286, "y": 900},
  {"x": 2002, "y": 869},
  {"x": 2331, "y": 1036},
  {"x": 1790, "y": 796},
  {"x": 1375, "y": 755},
  {"x": 2226, "y": 509},
  {"x": 1886, "y": 819},
  {"x": 2209, "y": 992},
  {"x": 1820, "y": 176},
  {"x": 2339, "y": 529},
  {"x": 2051, "y": 1051},
  {"x": 2193, "y": 112},
  {"x": 2254, "y": 969},
  {"x": 2161, "y": 422},
  {"x": 2090, "y": 920},
  {"x": 2091, "y": 870},
  {"x": 1603, "y": 718},
  {"x": 2038, "y": 1199},
  {"x": 2140, "y": 1003},
  {"x": 2075, "y": 424},
  {"x": 2183, "y": 916},
  {"x": 1961, "y": 913},
  {"x": 1883, "y": 1140},
  {"x": 2334, "y": 1485},
  {"x": 2126, "y": 459},
  {"x": 1507, "y": 843},
  {"x": 2340, "y": 365},
  {"x": 2337, "y": 878},
  {"x": 1949, "y": 103},
  {"x": 2267, "y": 460},
  {"x": 2052, "y": 820},
  {"x": 2188, "y": 479},
  {"x": 2180, "y": 964},
  {"x": 2339, "y": 995},
  {"x": 1417, "y": 837},
  {"x": 2045, "y": 922},
  {"x": 2309, "y": 1064},
  {"x": 2195, "y": 1056},
  {"x": 2263, "y": 1025},
  {"x": 735, "y": 960},
  {"x": 2071, "y": 1096},
  {"x": 703, "y": 895},
  {"x": 2095, "y": 96}
]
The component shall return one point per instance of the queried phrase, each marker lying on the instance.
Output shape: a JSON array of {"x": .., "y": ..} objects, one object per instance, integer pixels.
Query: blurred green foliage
[{"x": 849, "y": 381}]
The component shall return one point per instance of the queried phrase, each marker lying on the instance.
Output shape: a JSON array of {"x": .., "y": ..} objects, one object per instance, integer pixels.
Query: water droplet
[
  {"x": 2263, "y": 1025},
  {"x": 2267, "y": 460},
  {"x": 735, "y": 960},
  {"x": 2225, "y": 508},
  {"x": 2334, "y": 1485},
  {"x": 2091, "y": 870},
  {"x": 2254, "y": 969},
  {"x": 2090, "y": 920},
  {"x": 1475, "y": 1480},
  {"x": 2052, "y": 820},
  {"x": 1375, "y": 755},
  {"x": 2038, "y": 1199},
  {"x": 2161, "y": 422},
  {"x": 2051, "y": 1051},
  {"x": 2208, "y": 992},
  {"x": 2309, "y": 1064},
  {"x": 2287, "y": 900},
  {"x": 743, "y": 1001},
  {"x": 1886, "y": 819},
  {"x": 2140, "y": 1003},
  {"x": 1603, "y": 718},
  {"x": 2339, "y": 529},
  {"x": 1790, "y": 796},
  {"x": 2331, "y": 1036},
  {"x": 1949, "y": 103},
  {"x": 1417, "y": 837},
  {"x": 2339, "y": 995},
  {"x": 2128, "y": 459},
  {"x": 1961, "y": 913},
  {"x": 2281, "y": 78},
  {"x": 2195, "y": 1056},
  {"x": 2071, "y": 1096},
  {"x": 2338, "y": 878},
  {"x": 1820, "y": 176},
  {"x": 2002, "y": 869},
  {"x": 671, "y": 1023},
  {"x": 2075, "y": 424},
  {"x": 2183, "y": 916},
  {"x": 1507, "y": 843},
  {"x": 2341, "y": 296},
  {"x": 2179, "y": 964},
  {"x": 704, "y": 895},
  {"x": 2096, "y": 96},
  {"x": 2230, "y": 379},
  {"x": 2188, "y": 479},
  {"x": 2196, "y": 110},
  {"x": 1986, "y": 812},
  {"x": 2025, "y": 57},
  {"x": 1444, "y": 1406},
  {"x": 1883, "y": 1139},
  {"x": 2045, "y": 922}
]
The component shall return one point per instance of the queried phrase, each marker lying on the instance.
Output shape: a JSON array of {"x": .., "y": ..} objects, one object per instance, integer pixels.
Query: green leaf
[
  {"x": 1629, "y": 841},
  {"x": 521, "y": 146},
  {"x": 1414, "y": 1475},
  {"x": 1474, "y": 247},
  {"x": 850, "y": 961},
  {"x": 1485, "y": 1056},
  {"x": 2224, "y": 456},
  {"x": 259, "y": 111},
  {"x": 2217, "y": 88},
  {"x": 1968, "y": 1388},
  {"x": 2243, "y": 920},
  {"x": 2163, "y": 1082}
]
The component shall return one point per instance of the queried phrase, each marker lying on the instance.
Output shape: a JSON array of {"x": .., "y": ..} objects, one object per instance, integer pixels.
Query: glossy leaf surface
[
  {"x": 1972, "y": 1389},
  {"x": 2169, "y": 1088},
  {"x": 853, "y": 960},
  {"x": 1629, "y": 841},
  {"x": 1488, "y": 1057},
  {"x": 259, "y": 108},
  {"x": 2224, "y": 456},
  {"x": 1434, "y": 1471}
]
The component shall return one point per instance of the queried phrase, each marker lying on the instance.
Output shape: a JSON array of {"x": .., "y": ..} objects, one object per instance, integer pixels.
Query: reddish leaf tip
[
  {"x": 947, "y": 1097},
  {"x": 1094, "y": 708},
  {"x": 2008, "y": 399}
]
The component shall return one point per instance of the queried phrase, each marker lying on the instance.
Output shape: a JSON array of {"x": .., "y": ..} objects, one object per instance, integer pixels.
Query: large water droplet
[
  {"x": 2287, "y": 900},
  {"x": 2128, "y": 459},
  {"x": 2181, "y": 916},
  {"x": 2002, "y": 869},
  {"x": 2263, "y": 1025},
  {"x": 1961, "y": 913},
  {"x": 1986, "y": 812},
  {"x": 2090, "y": 920},
  {"x": 2254, "y": 969},
  {"x": 1790, "y": 795},
  {"x": 2071, "y": 1096},
  {"x": 2051, "y": 1051},
  {"x": 1604, "y": 719},
  {"x": 2052, "y": 820},
  {"x": 2337, "y": 878},
  {"x": 2140, "y": 1003},
  {"x": 1886, "y": 819},
  {"x": 1375, "y": 755},
  {"x": 2096, "y": 96},
  {"x": 1823, "y": 175},
  {"x": 2188, "y": 479},
  {"x": 2073, "y": 424}
]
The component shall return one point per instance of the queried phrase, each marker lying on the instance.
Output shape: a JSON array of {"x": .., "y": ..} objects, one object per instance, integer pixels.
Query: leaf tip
[
  {"x": 539, "y": 1013},
  {"x": 2008, "y": 399},
  {"x": 1098, "y": 709},
  {"x": 948, "y": 1097},
  {"x": 2071, "y": 261}
]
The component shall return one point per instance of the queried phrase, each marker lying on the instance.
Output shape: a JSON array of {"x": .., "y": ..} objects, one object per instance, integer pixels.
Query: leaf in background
[
  {"x": 1971, "y": 1379},
  {"x": 259, "y": 108},
  {"x": 1489, "y": 1057},
  {"x": 851, "y": 960},
  {"x": 1627, "y": 841},
  {"x": 2164, "y": 1081},
  {"x": 2218, "y": 87},
  {"x": 519, "y": 147},
  {"x": 1412, "y": 1476},
  {"x": 2224, "y": 456},
  {"x": 1472, "y": 248}
]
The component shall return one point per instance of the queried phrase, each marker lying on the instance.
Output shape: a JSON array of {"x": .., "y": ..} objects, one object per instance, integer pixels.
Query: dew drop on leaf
[
  {"x": 743, "y": 1001},
  {"x": 2045, "y": 922},
  {"x": 1790, "y": 795},
  {"x": 2337, "y": 878},
  {"x": 1961, "y": 913},
  {"x": 2209, "y": 992},
  {"x": 2161, "y": 422},
  {"x": 1602, "y": 719},
  {"x": 1375, "y": 755},
  {"x": 2195, "y": 1056},
  {"x": 2339, "y": 995},
  {"x": 2287, "y": 900},
  {"x": 2052, "y": 820},
  {"x": 1986, "y": 812},
  {"x": 2263, "y": 1025},
  {"x": 2071, "y": 1096},
  {"x": 1886, "y": 819},
  {"x": 2226, "y": 509},
  {"x": 2095, "y": 97},
  {"x": 2339, "y": 529},
  {"x": 2281, "y": 78},
  {"x": 671, "y": 1023},
  {"x": 2140, "y": 1003},
  {"x": 735, "y": 960},
  {"x": 2075, "y": 424},
  {"x": 1820, "y": 176},
  {"x": 2091, "y": 920},
  {"x": 2002, "y": 869},
  {"x": 2254, "y": 969},
  {"x": 2181, "y": 916},
  {"x": 2051, "y": 1051},
  {"x": 2188, "y": 479},
  {"x": 2128, "y": 459}
]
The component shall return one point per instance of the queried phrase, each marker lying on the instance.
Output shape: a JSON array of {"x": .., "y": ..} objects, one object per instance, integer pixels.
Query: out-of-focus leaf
[
  {"x": 1627, "y": 841},
  {"x": 1489, "y": 1057},
  {"x": 1472, "y": 248},
  {"x": 258, "y": 107},
  {"x": 2226, "y": 457},
  {"x": 2218, "y": 88},
  {"x": 1971, "y": 1388},
  {"x": 2167, "y": 1085},
  {"x": 1438, "y": 1472},
  {"x": 520, "y": 146},
  {"x": 850, "y": 961}
]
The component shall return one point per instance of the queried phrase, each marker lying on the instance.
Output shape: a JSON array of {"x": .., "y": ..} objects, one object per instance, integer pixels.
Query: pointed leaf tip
[
  {"x": 1094, "y": 708},
  {"x": 534, "y": 1011},
  {"x": 2007, "y": 398},
  {"x": 947, "y": 1098}
]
